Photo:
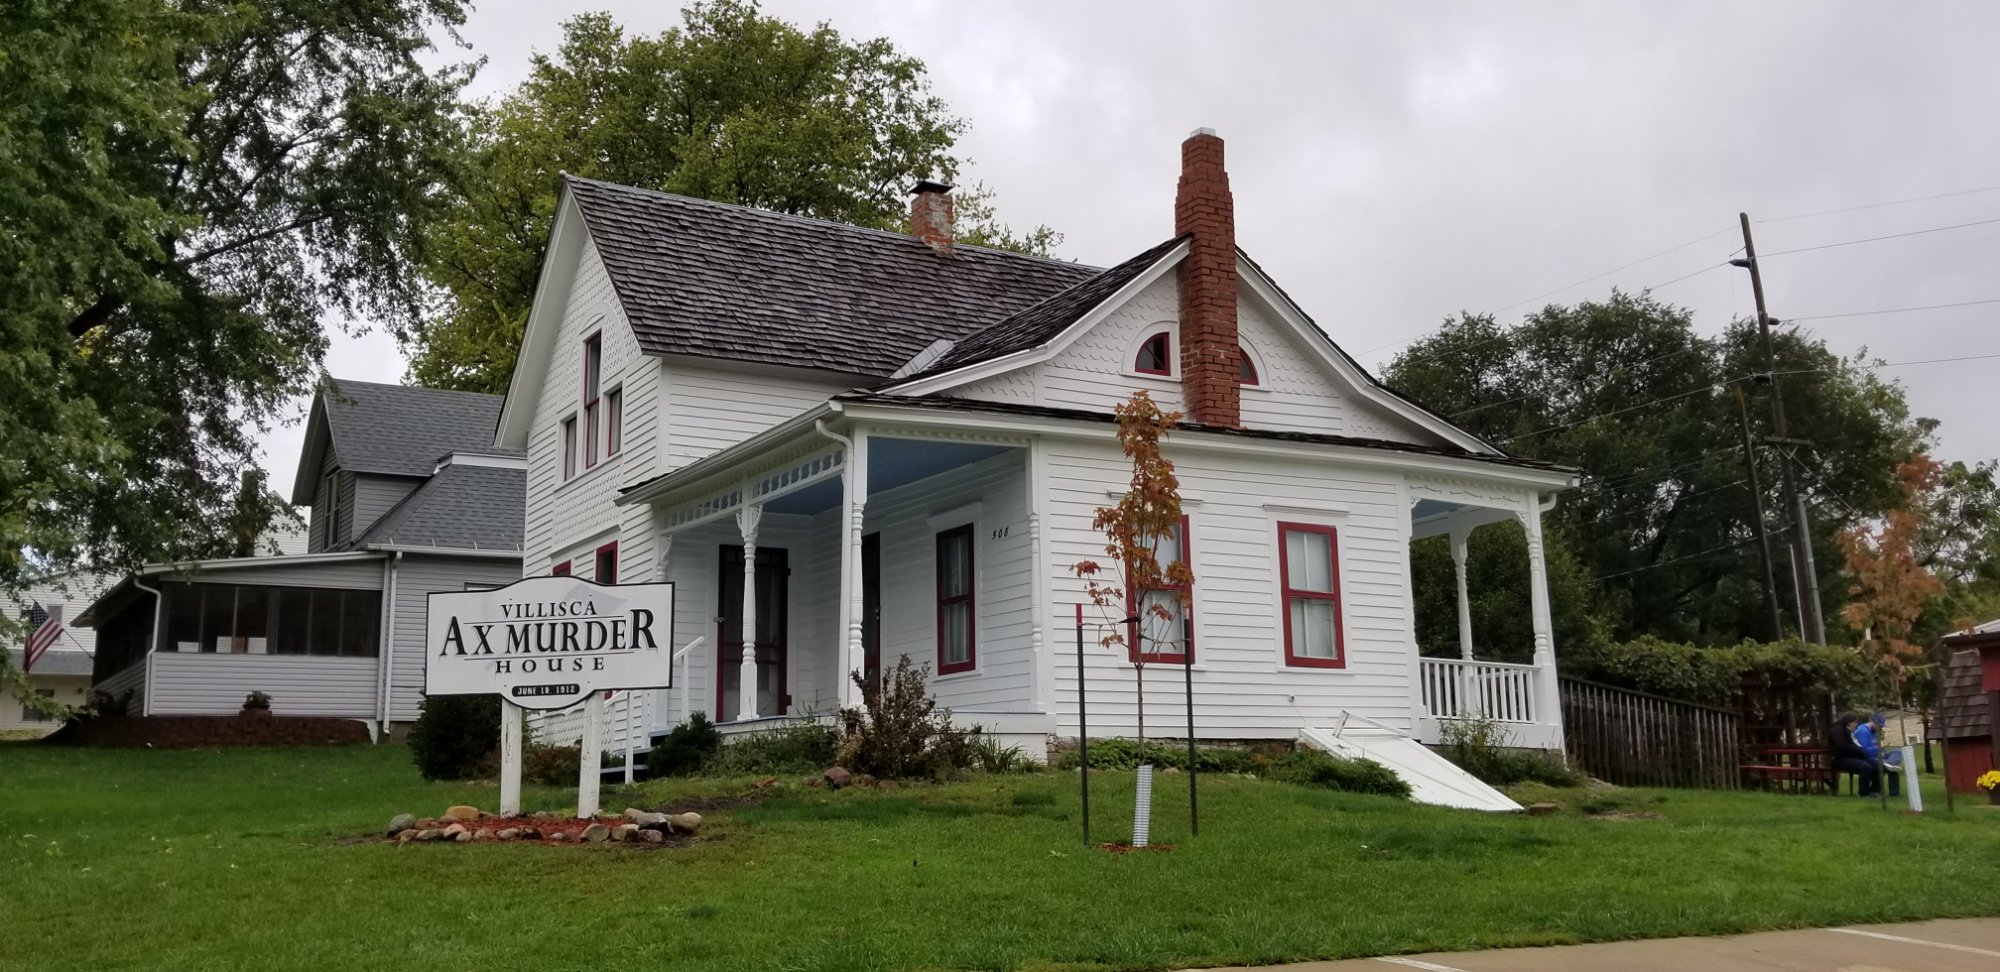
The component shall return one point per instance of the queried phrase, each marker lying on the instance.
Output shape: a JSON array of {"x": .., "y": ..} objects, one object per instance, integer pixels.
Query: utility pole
[
  {"x": 1763, "y": 538},
  {"x": 1805, "y": 577}
]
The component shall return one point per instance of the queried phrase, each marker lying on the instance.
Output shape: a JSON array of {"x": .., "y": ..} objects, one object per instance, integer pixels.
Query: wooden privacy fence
[{"x": 1636, "y": 739}]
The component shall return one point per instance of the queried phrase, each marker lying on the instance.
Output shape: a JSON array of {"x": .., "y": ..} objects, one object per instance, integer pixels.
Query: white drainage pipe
[
  {"x": 1142, "y": 808},
  {"x": 1916, "y": 794}
]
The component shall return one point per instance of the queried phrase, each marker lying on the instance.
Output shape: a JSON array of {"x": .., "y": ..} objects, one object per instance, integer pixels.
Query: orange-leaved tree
[
  {"x": 1889, "y": 588},
  {"x": 1140, "y": 592}
]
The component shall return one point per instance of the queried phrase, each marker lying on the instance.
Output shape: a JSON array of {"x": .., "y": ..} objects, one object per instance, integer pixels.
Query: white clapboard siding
[
  {"x": 131, "y": 679},
  {"x": 299, "y": 685},
  {"x": 375, "y": 495},
  {"x": 417, "y": 576},
  {"x": 711, "y": 408},
  {"x": 1242, "y": 687}
]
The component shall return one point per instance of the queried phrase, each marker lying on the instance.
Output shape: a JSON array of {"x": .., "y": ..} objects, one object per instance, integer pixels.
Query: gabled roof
[
  {"x": 1033, "y": 326},
  {"x": 708, "y": 279},
  {"x": 392, "y": 430},
  {"x": 1963, "y": 709},
  {"x": 463, "y": 507}
]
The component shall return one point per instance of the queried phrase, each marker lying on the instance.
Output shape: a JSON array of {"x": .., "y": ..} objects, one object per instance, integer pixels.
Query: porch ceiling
[
  {"x": 891, "y": 463},
  {"x": 1430, "y": 518}
]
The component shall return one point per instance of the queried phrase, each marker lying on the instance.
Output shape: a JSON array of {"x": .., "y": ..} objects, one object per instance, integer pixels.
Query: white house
[
  {"x": 845, "y": 445},
  {"x": 62, "y": 674},
  {"x": 408, "y": 496}
]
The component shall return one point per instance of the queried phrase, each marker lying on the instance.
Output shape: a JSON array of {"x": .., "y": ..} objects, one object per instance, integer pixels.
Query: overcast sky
[{"x": 1397, "y": 163}]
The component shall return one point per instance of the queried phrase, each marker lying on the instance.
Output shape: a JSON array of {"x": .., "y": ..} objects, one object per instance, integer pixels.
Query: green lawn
[{"x": 236, "y": 860}]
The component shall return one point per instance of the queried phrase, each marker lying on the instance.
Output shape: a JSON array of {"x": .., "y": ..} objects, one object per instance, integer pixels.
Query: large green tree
[
  {"x": 1627, "y": 391},
  {"x": 732, "y": 105},
  {"x": 190, "y": 192}
]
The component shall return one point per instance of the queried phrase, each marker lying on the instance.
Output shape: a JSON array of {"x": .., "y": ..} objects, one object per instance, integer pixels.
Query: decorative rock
[
  {"x": 1543, "y": 809},
  {"x": 597, "y": 833},
  {"x": 766, "y": 783},
  {"x": 464, "y": 837},
  {"x": 506, "y": 833},
  {"x": 429, "y": 833},
  {"x": 837, "y": 777},
  {"x": 632, "y": 814},
  {"x": 652, "y": 836},
  {"x": 685, "y": 823},
  {"x": 866, "y": 780},
  {"x": 465, "y": 814},
  {"x": 407, "y": 835},
  {"x": 560, "y": 837},
  {"x": 426, "y": 823},
  {"x": 400, "y": 823},
  {"x": 447, "y": 820},
  {"x": 531, "y": 833},
  {"x": 646, "y": 818},
  {"x": 455, "y": 830},
  {"x": 624, "y": 831},
  {"x": 1171, "y": 771}
]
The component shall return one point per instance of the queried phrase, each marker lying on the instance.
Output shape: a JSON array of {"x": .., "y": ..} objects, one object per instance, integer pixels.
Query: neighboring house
[
  {"x": 60, "y": 675},
  {"x": 63, "y": 672},
  {"x": 408, "y": 496},
  {"x": 1968, "y": 716},
  {"x": 845, "y": 445}
]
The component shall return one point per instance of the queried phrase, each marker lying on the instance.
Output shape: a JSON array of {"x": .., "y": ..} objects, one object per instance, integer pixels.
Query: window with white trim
[
  {"x": 956, "y": 605},
  {"x": 1156, "y": 355},
  {"x": 593, "y": 367},
  {"x": 1152, "y": 638}
]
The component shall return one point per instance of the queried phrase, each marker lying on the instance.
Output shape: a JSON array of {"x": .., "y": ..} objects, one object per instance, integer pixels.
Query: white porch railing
[{"x": 1459, "y": 689}]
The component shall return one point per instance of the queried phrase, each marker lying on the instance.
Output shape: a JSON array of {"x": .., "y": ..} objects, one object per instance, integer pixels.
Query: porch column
[
  {"x": 1042, "y": 685},
  {"x": 1548, "y": 698},
  {"x": 854, "y": 501},
  {"x": 1459, "y": 538},
  {"x": 747, "y": 519}
]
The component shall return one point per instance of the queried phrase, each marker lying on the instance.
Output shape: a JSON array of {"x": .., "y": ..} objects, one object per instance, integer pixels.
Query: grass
[{"x": 222, "y": 860}]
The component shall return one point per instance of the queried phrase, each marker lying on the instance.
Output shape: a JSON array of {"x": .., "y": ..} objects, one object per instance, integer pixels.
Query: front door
[
  {"x": 772, "y": 584},
  {"x": 871, "y": 609}
]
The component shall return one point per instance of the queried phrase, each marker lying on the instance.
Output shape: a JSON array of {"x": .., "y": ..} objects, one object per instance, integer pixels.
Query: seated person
[
  {"x": 1849, "y": 757},
  {"x": 1869, "y": 737}
]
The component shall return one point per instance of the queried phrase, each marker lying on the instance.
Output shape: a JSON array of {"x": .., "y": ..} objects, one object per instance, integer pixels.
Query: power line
[
  {"x": 1894, "y": 310},
  {"x": 1892, "y": 364},
  {"x": 1879, "y": 205},
  {"x": 1708, "y": 388},
  {"x": 1518, "y": 398},
  {"x": 1892, "y": 236},
  {"x": 1680, "y": 560}
]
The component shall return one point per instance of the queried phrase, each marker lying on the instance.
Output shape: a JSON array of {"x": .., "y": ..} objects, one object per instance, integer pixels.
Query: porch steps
[{"x": 1432, "y": 778}]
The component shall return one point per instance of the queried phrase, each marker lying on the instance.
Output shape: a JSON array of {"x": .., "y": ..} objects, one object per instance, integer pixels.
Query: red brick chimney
[
  {"x": 931, "y": 216},
  {"x": 1204, "y": 210}
]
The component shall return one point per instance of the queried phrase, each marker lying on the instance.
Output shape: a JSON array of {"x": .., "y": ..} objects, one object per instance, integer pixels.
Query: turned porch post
[
  {"x": 1458, "y": 552},
  {"x": 747, "y": 519},
  {"x": 1548, "y": 698},
  {"x": 854, "y": 496}
]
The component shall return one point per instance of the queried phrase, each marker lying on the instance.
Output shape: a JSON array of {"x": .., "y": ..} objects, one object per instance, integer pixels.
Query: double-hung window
[
  {"x": 1153, "y": 638},
  {"x": 593, "y": 367},
  {"x": 1309, "y": 572},
  {"x": 955, "y": 609}
]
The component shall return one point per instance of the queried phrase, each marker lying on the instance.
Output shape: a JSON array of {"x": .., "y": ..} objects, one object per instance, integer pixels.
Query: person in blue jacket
[{"x": 1869, "y": 737}]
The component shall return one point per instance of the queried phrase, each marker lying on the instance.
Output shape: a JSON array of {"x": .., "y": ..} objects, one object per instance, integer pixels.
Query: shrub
[
  {"x": 1123, "y": 754},
  {"x": 686, "y": 750},
  {"x": 1478, "y": 746},
  {"x": 989, "y": 756},
  {"x": 1311, "y": 767},
  {"x": 454, "y": 735},
  {"x": 552, "y": 765},
  {"x": 256, "y": 700},
  {"x": 1715, "y": 676},
  {"x": 805, "y": 747},
  {"x": 899, "y": 732}
]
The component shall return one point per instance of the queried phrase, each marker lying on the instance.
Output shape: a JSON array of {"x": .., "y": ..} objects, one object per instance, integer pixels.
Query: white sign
[{"x": 548, "y": 642}]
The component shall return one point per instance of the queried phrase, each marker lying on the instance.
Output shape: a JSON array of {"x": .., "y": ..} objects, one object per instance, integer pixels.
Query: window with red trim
[
  {"x": 955, "y": 608},
  {"x": 1309, "y": 576},
  {"x": 560, "y": 570},
  {"x": 1246, "y": 369},
  {"x": 614, "y": 421},
  {"x": 569, "y": 447},
  {"x": 1155, "y": 356},
  {"x": 593, "y": 366},
  {"x": 1161, "y": 639},
  {"x": 607, "y": 563}
]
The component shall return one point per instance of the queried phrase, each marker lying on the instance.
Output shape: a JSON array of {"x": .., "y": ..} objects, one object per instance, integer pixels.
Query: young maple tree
[
  {"x": 1141, "y": 592},
  {"x": 1889, "y": 587}
]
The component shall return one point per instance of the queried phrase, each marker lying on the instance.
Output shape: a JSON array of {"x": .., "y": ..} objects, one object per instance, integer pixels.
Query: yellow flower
[{"x": 1989, "y": 780}]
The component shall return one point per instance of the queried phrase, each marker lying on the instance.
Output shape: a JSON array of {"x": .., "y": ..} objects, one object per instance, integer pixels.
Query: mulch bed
[{"x": 197, "y": 732}]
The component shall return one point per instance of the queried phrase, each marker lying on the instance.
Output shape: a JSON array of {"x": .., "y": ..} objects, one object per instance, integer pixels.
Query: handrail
[{"x": 1648, "y": 695}]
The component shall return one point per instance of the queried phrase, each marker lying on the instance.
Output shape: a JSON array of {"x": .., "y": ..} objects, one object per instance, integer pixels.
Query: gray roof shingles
[
  {"x": 713, "y": 280},
  {"x": 1963, "y": 709},
  {"x": 403, "y": 430},
  {"x": 463, "y": 507},
  {"x": 55, "y": 661}
]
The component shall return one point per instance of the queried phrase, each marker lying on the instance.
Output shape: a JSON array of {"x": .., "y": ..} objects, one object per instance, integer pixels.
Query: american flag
[{"x": 47, "y": 628}]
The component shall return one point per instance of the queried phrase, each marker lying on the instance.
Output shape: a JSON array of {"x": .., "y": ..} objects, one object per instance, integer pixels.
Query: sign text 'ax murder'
[{"x": 546, "y": 642}]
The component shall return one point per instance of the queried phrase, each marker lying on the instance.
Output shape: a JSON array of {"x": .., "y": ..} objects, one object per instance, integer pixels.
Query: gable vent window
[
  {"x": 1246, "y": 369},
  {"x": 1155, "y": 356},
  {"x": 593, "y": 367}
]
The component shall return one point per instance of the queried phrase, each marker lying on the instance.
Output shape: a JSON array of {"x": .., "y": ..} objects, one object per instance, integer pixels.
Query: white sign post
[{"x": 548, "y": 643}]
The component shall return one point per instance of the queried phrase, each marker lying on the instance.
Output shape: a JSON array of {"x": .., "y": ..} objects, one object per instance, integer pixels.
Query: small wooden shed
[{"x": 1966, "y": 708}]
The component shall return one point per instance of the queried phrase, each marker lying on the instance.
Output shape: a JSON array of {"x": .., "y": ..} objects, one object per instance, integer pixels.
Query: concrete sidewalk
[{"x": 1952, "y": 945}]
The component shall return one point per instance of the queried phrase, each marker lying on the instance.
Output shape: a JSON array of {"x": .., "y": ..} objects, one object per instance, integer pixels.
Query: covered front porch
[
  {"x": 804, "y": 557},
  {"x": 1520, "y": 699}
]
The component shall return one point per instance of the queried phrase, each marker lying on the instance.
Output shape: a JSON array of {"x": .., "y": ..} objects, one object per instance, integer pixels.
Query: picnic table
[{"x": 1791, "y": 769}]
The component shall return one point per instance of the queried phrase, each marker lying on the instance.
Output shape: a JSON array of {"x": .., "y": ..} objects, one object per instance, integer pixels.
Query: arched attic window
[
  {"x": 1246, "y": 369},
  {"x": 1155, "y": 356}
]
